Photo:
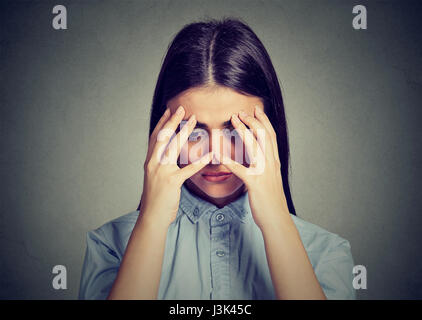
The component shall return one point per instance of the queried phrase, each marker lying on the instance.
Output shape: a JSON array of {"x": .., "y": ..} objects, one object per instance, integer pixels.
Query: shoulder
[
  {"x": 129, "y": 218},
  {"x": 331, "y": 258},
  {"x": 319, "y": 240},
  {"x": 115, "y": 233}
]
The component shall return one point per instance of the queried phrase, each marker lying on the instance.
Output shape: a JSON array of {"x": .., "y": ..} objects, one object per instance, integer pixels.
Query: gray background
[{"x": 75, "y": 111}]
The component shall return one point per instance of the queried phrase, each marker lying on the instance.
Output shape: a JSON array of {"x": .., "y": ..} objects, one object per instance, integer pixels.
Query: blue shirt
[{"x": 214, "y": 253}]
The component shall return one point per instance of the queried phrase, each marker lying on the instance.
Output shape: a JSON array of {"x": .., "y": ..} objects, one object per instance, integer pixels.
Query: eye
[
  {"x": 197, "y": 133},
  {"x": 229, "y": 133}
]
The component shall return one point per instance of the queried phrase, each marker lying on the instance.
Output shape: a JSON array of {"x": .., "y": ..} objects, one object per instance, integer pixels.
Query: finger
[
  {"x": 252, "y": 148},
  {"x": 175, "y": 146},
  {"x": 161, "y": 122},
  {"x": 238, "y": 169},
  {"x": 261, "y": 116},
  {"x": 188, "y": 171},
  {"x": 260, "y": 132},
  {"x": 166, "y": 133},
  {"x": 153, "y": 137}
]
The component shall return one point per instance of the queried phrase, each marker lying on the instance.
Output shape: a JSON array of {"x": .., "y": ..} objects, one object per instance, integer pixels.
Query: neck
[{"x": 218, "y": 202}]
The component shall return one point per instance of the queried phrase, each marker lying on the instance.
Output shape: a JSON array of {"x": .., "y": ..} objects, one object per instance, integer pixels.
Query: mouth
[{"x": 213, "y": 176}]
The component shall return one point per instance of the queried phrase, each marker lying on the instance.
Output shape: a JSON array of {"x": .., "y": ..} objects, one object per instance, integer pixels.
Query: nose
[
  {"x": 215, "y": 159},
  {"x": 219, "y": 146}
]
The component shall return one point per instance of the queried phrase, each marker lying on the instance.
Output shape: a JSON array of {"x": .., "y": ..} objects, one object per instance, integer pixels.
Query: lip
[{"x": 214, "y": 176}]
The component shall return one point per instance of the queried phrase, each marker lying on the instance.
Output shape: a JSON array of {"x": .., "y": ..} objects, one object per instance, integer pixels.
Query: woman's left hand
[
  {"x": 291, "y": 270},
  {"x": 263, "y": 176}
]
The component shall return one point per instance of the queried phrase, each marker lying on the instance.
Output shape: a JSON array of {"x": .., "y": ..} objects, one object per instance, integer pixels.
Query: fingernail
[
  {"x": 180, "y": 110},
  {"x": 258, "y": 109}
]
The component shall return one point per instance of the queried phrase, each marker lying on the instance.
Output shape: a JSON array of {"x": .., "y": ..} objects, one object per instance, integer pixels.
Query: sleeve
[
  {"x": 335, "y": 272},
  {"x": 99, "y": 269}
]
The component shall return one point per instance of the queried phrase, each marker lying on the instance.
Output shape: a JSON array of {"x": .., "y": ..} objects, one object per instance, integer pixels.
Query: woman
[{"x": 216, "y": 218}]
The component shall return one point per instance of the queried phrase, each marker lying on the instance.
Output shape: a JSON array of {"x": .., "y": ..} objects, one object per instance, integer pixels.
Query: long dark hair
[{"x": 227, "y": 53}]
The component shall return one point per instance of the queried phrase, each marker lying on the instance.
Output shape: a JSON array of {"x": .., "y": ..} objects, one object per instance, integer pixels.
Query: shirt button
[
  {"x": 220, "y": 253},
  {"x": 219, "y": 217}
]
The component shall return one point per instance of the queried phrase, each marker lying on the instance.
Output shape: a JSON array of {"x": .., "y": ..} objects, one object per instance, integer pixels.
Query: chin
[{"x": 219, "y": 192}]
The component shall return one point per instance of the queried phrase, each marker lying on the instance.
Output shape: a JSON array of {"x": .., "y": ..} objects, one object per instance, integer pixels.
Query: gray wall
[{"x": 74, "y": 121}]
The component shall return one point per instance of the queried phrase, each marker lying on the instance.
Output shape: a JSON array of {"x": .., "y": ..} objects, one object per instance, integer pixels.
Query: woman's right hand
[{"x": 162, "y": 176}]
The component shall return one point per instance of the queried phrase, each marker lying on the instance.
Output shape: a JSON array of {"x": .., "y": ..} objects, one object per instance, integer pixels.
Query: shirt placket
[{"x": 220, "y": 254}]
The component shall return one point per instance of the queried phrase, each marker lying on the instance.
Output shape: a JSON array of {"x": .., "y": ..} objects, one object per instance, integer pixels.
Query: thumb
[
  {"x": 188, "y": 171},
  {"x": 235, "y": 167}
]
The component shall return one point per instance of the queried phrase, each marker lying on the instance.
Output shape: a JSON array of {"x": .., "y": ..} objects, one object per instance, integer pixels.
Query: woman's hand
[
  {"x": 162, "y": 176},
  {"x": 291, "y": 271},
  {"x": 263, "y": 177}
]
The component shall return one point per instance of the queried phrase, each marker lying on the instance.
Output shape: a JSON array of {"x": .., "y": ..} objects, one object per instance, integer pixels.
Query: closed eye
[
  {"x": 197, "y": 133},
  {"x": 230, "y": 132}
]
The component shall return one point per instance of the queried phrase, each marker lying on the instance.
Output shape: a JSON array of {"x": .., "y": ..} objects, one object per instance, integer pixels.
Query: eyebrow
[{"x": 225, "y": 124}]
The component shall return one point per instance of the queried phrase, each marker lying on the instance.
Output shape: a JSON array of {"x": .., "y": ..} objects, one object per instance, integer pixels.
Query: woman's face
[{"x": 213, "y": 108}]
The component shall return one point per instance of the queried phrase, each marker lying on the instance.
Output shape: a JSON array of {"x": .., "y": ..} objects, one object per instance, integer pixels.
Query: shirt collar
[{"x": 194, "y": 207}]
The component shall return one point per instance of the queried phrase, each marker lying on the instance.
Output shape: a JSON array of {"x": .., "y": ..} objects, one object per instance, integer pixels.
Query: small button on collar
[{"x": 219, "y": 217}]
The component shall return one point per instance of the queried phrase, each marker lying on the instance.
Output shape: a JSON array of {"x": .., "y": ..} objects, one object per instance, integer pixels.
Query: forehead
[{"x": 213, "y": 105}]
